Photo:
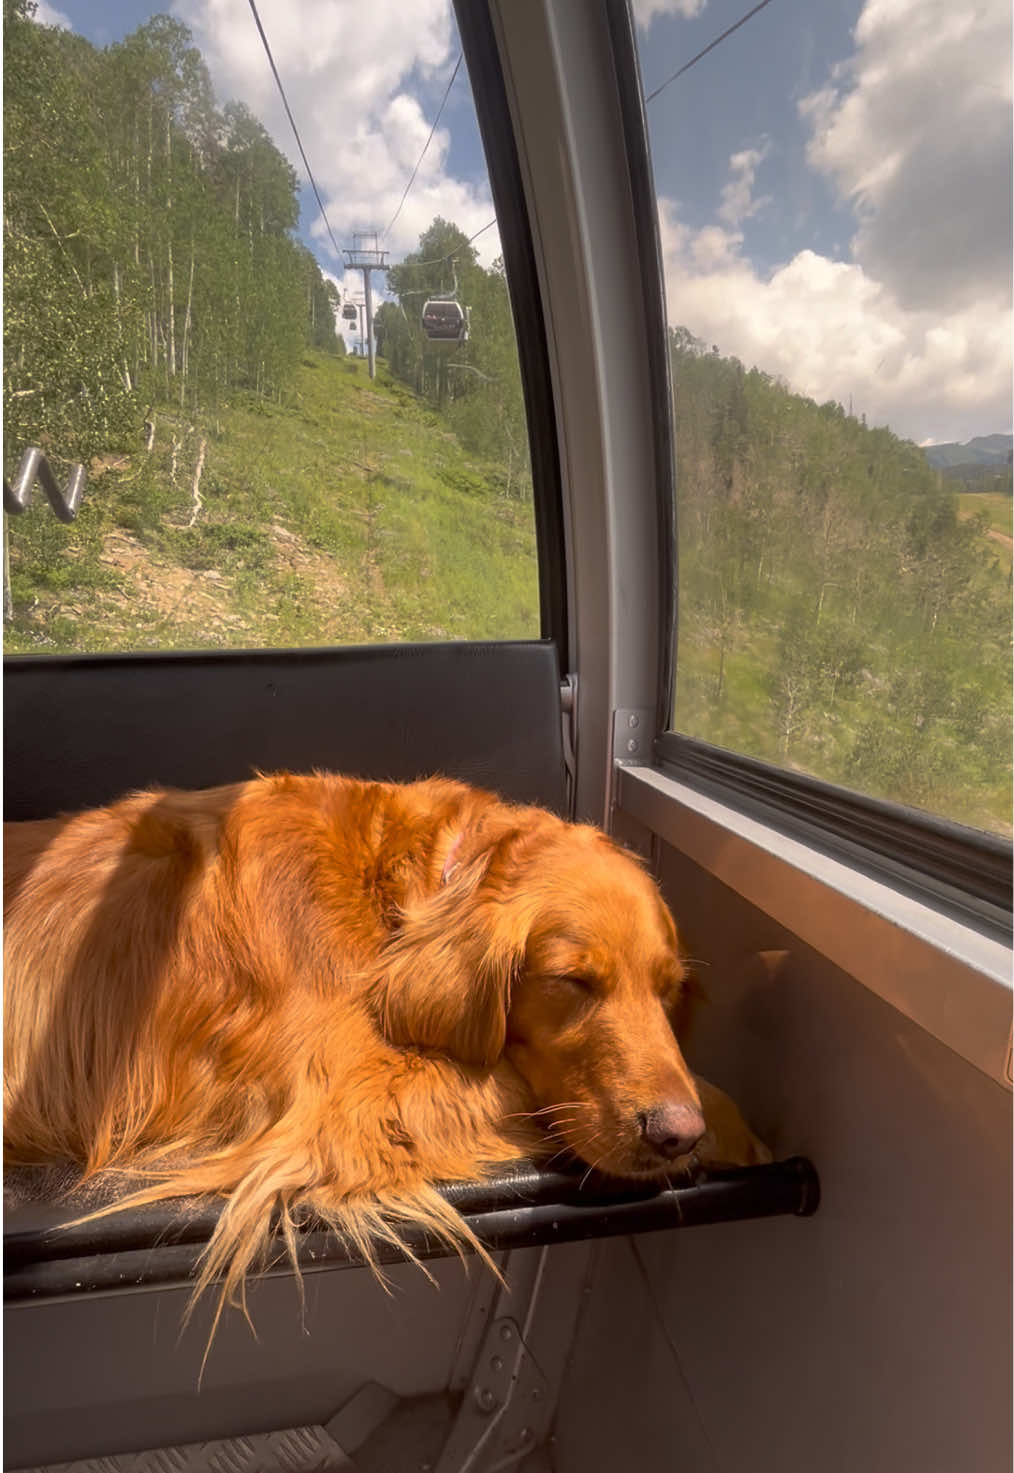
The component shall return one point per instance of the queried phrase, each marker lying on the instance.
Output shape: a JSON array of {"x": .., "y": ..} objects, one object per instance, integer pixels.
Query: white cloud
[
  {"x": 738, "y": 203},
  {"x": 833, "y": 332},
  {"x": 913, "y": 132},
  {"x": 349, "y": 73},
  {"x": 645, "y": 11},
  {"x": 48, "y": 15}
]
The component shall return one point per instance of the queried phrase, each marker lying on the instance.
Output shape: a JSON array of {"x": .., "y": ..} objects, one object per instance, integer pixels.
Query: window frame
[
  {"x": 489, "y": 95},
  {"x": 622, "y": 30},
  {"x": 965, "y": 871},
  {"x": 923, "y": 960}
]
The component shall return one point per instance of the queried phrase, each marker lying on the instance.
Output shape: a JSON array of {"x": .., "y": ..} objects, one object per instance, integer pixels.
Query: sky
[
  {"x": 853, "y": 235},
  {"x": 834, "y": 179}
]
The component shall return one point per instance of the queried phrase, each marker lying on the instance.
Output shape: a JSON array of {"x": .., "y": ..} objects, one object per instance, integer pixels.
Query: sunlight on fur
[{"x": 317, "y": 997}]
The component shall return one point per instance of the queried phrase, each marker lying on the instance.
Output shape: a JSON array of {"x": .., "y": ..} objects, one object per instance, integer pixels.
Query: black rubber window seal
[
  {"x": 482, "y": 57},
  {"x": 963, "y": 871}
]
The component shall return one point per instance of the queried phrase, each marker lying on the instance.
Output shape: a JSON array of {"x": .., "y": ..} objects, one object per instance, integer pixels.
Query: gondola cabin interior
[{"x": 702, "y": 534}]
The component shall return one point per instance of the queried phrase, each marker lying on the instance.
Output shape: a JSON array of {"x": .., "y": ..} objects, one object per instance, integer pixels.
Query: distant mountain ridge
[{"x": 985, "y": 450}]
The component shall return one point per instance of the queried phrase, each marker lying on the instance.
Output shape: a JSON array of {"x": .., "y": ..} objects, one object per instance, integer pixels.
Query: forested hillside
[
  {"x": 148, "y": 254},
  {"x": 477, "y": 385},
  {"x": 345, "y": 514},
  {"x": 992, "y": 451},
  {"x": 838, "y": 612},
  {"x": 843, "y": 610},
  {"x": 164, "y": 327}
]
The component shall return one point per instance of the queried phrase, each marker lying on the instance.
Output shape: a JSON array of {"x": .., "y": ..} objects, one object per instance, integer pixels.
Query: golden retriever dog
[{"x": 317, "y": 996}]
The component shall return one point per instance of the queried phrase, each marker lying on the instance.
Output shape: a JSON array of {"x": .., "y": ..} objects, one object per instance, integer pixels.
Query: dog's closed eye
[
  {"x": 580, "y": 981},
  {"x": 562, "y": 984},
  {"x": 582, "y": 993},
  {"x": 571, "y": 993}
]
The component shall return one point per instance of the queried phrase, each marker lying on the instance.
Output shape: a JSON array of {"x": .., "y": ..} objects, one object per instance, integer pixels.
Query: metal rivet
[
  {"x": 633, "y": 720},
  {"x": 484, "y": 1399},
  {"x": 525, "y": 1435},
  {"x": 497, "y": 1363},
  {"x": 633, "y": 745},
  {"x": 506, "y": 1332}
]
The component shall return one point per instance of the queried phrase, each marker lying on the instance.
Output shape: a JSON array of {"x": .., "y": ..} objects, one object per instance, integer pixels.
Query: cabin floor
[{"x": 409, "y": 1437}]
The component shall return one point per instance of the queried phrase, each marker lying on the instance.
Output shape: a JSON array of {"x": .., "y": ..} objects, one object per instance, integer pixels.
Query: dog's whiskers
[
  {"x": 585, "y": 1146},
  {"x": 547, "y": 1109},
  {"x": 592, "y": 1167},
  {"x": 575, "y": 1148},
  {"x": 563, "y": 1151}
]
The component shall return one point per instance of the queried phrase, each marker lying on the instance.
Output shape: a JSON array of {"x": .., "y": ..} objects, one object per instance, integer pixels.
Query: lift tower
[{"x": 365, "y": 256}]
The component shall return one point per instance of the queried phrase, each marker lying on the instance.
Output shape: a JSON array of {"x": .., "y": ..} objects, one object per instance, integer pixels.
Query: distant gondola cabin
[{"x": 445, "y": 321}]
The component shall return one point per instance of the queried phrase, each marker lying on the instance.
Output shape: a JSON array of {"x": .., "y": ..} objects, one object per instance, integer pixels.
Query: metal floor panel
[{"x": 294, "y": 1450}]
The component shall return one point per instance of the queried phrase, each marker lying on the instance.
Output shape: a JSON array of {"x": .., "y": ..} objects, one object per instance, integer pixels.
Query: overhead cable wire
[
  {"x": 426, "y": 145},
  {"x": 299, "y": 141},
  {"x": 710, "y": 47},
  {"x": 439, "y": 260},
  {"x": 488, "y": 226}
]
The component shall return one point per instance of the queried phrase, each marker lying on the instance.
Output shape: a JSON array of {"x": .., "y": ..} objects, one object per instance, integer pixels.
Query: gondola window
[
  {"x": 182, "y": 321},
  {"x": 834, "y": 209}
]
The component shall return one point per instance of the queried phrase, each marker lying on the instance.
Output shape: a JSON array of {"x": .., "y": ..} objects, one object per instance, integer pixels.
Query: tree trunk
[
  {"x": 153, "y": 314},
  {"x": 195, "y": 495},
  {"x": 186, "y": 326},
  {"x": 119, "y": 322},
  {"x": 169, "y": 247},
  {"x": 137, "y": 199}
]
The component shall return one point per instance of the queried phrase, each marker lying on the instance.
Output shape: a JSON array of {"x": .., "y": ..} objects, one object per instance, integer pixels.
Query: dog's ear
[{"x": 447, "y": 973}]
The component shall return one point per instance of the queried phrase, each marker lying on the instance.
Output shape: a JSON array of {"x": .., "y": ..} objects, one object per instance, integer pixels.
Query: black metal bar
[
  {"x": 160, "y": 1247},
  {"x": 53, "y": 1232}
]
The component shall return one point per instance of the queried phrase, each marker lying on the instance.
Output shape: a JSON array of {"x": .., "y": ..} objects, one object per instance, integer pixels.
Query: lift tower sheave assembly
[{"x": 366, "y": 256}]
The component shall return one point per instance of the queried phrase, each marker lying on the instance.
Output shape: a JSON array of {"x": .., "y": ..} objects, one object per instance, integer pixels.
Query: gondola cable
[
  {"x": 426, "y": 145},
  {"x": 439, "y": 260},
  {"x": 299, "y": 141},
  {"x": 710, "y": 47}
]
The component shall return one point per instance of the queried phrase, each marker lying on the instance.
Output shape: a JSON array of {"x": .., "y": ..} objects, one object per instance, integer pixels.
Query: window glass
[
  {"x": 184, "y": 318},
  {"x": 834, "y": 194}
]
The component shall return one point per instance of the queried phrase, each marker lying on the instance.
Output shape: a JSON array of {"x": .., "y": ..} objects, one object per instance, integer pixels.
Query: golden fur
[{"x": 320, "y": 994}]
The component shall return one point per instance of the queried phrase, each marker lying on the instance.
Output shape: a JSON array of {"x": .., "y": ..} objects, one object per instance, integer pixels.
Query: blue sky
[
  {"x": 754, "y": 64},
  {"x": 107, "y": 22},
  {"x": 762, "y": 70},
  {"x": 834, "y": 184},
  {"x": 833, "y": 179}
]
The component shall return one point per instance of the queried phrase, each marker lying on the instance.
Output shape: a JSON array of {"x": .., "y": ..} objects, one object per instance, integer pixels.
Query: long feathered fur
[{"x": 296, "y": 993}]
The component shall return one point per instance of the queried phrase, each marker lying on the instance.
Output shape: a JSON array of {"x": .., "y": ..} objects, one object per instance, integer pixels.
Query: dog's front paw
[{"x": 728, "y": 1140}]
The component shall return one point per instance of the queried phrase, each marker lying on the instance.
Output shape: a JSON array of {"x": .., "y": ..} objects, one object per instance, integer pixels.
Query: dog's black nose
[{"x": 673, "y": 1129}]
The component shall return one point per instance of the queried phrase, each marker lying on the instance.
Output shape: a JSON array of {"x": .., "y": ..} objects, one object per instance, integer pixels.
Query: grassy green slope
[
  {"x": 347, "y": 513},
  {"x": 996, "y": 505}
]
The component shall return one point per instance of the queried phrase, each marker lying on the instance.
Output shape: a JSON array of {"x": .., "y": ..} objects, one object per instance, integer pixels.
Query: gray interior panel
[
  {"x": 875, "y": 1337},
  {"x": 108, "y": 1374}
]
